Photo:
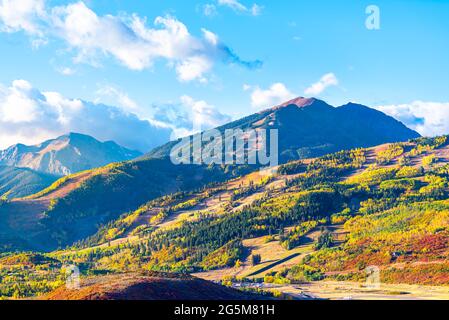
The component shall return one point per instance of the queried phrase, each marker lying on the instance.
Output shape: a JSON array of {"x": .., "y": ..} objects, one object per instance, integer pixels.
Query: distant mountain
[
  {"x": 21, "y": 182},
  {"x": 311, "y": 128},
  {"x": 65, "y": 155}
]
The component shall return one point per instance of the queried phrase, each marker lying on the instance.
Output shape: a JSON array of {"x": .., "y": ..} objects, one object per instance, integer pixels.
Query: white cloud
[
  {"x": 277, "y": 93},
  {"x": 191, "y": 116},
  {"x": 211, "y": 37},
  {"x": 204, "y": 115},
  {"x": 27, "y": 15},
  {"x": 237, "y": 6},
  {"x": 30, "y": 116},
  {"x": 326, "y": 81},
  {"x": 17, "y": 107},
  {"x": 256, "y": 10},
  {"x": 38, "y": 42},
  {"x": 193, "y": 68},
  {"x": 118, "y": 98},
  {"x": 66, "y": 71},
  {"x": 127, "y": 38},
  {"x": 233, "y": 4},
  {"x": 427, "y": 118}
]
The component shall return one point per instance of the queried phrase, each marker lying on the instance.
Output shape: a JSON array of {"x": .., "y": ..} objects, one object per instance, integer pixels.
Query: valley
[
  {"x": 344, "y": 290},
  {"x": 20, "y": 182}
]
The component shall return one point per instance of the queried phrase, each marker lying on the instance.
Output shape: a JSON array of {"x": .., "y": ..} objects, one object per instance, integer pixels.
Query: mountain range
[
  {"x": 74, "y": 207},
  {"x": 25, "y": 170},
  {"x": 66, "y": 154}
]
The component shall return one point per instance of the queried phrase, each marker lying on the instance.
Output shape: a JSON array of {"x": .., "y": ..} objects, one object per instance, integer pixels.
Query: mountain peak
[
  {"x": 69, "y": 153},
  {"x": 75, "y": 136},
  {"x": 355, "y": 106},
  {"x": 298, "y": 101}
]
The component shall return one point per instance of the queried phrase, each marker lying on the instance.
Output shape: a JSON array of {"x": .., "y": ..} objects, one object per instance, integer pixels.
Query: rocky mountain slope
[{"x": 66, "y": 155}]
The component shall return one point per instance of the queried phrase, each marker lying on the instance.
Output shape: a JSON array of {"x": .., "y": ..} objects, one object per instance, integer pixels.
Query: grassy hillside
[
  {"x": 326, "y": 218},
  {"x": 149, "y": 286},
  {"x": 346, "y": 189},
  {"x": 72, "y": 208}
]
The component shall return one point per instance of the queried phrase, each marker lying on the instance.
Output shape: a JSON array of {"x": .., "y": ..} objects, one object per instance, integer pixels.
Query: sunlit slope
[
  {"x": 324, "y": 218},
  {"x": 332, "y": 217},
  {"x": 73, "y": 207},
  {"x": 310, "y": 127}
]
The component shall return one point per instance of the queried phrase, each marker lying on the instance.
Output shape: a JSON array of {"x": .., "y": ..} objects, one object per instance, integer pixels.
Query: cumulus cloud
[
  {"x": 30, "y": 116},
  {"x": 190, "y": 116},
  {"x": 127, "y": 38},
  {"x": 204, "y": 115},
  {"x": 277, "y": 93},
  {"x": 118, "y": 98},
  {"x": 328, "y": 80},
  {"x": 26, "y": 15},
  {"x": 193, "y": 68},
  {"x": 237, "y": 6},
  {"x": 427, "y": 118}
]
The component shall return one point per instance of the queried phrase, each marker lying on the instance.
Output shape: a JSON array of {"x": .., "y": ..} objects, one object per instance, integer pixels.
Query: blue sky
[{"x": 239, "y": 57}]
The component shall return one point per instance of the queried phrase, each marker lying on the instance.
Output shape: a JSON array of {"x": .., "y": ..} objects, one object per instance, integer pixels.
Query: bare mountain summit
[{"x": 65, "y": 155}]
